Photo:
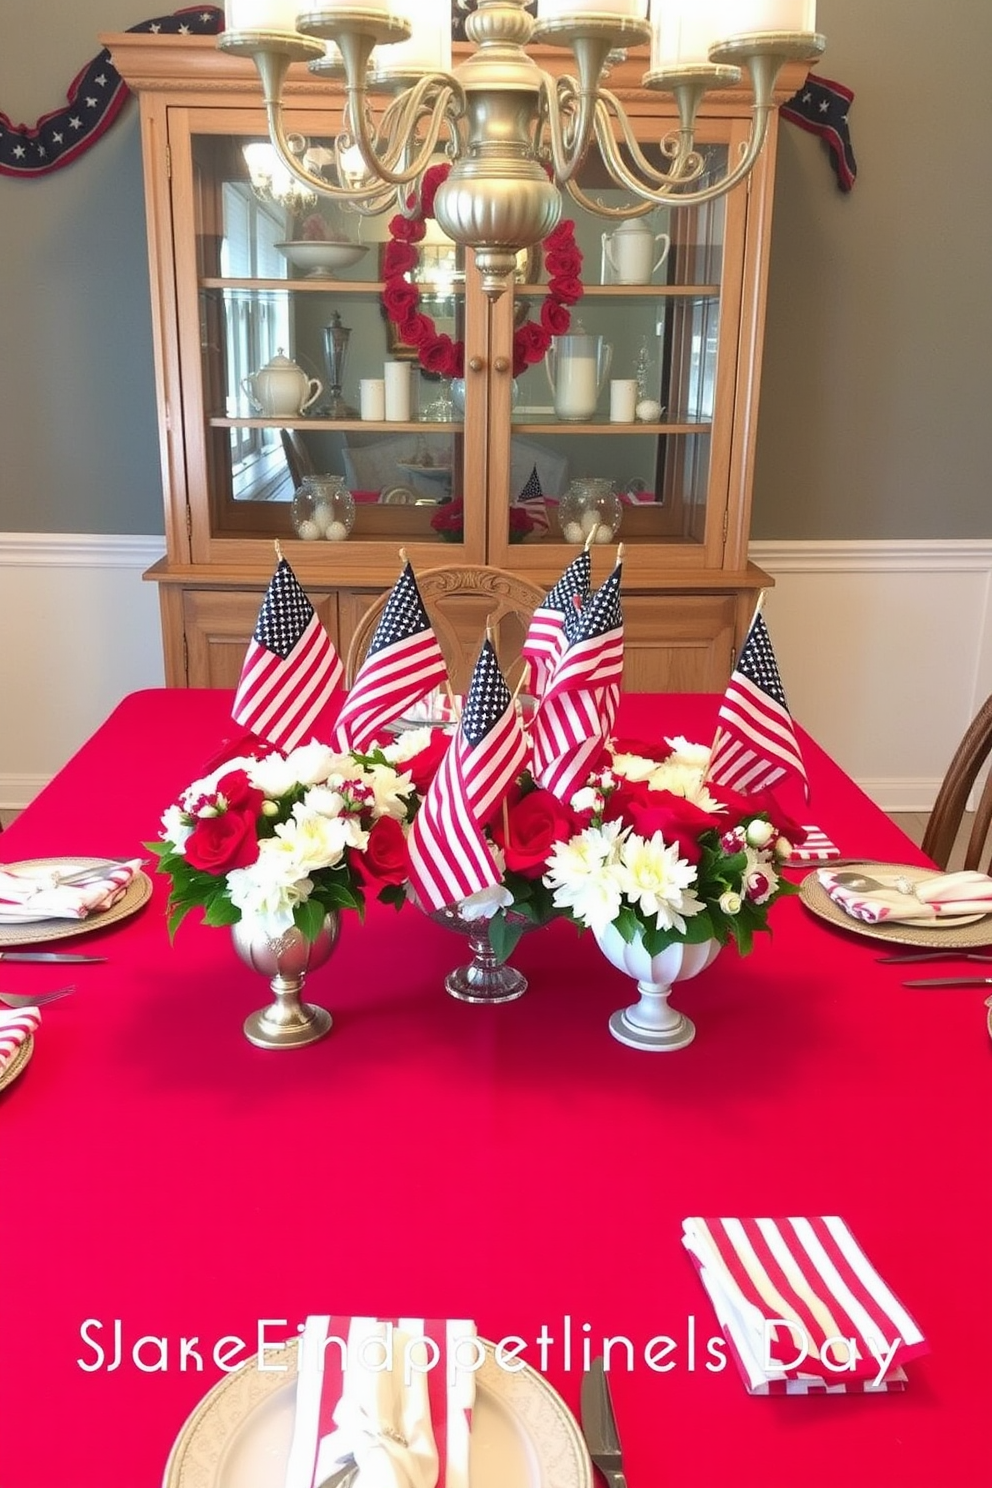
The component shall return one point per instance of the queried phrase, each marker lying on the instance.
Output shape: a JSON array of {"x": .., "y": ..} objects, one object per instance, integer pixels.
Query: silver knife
[
  {"x": 963, "y": 981},
  {"x": 904, "y": 960},
  {"x": 599, "y": 1425},
  {"x": 46, "y": 956}
]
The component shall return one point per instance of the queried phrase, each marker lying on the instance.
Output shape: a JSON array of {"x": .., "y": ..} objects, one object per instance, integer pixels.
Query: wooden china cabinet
[{"x": 227, "y": 297}]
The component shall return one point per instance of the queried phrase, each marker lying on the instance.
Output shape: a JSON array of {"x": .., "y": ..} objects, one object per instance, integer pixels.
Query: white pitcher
[
  {"x": 630, "y": 251},
  {"x": 577, "y": 367}
]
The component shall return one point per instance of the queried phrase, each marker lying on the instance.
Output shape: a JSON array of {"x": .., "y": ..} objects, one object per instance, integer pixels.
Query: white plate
[
  {"x": 523, "y": 1434},
  {"x": 957, "y": 932},
  {"x": 34, "y": 931}
]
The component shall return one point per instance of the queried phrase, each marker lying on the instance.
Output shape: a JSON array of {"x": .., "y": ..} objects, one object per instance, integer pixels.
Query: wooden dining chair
[
  {"x": 298, "y": 457},
  {"x": 948, "y": 810},
  {"x": 461, "y": 602}
]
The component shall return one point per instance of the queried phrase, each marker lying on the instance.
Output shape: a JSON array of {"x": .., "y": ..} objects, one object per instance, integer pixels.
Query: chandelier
[{"x": 515, "y": 135}]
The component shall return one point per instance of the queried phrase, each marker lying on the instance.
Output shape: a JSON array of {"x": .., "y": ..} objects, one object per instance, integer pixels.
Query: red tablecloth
[{"x": 514, "y": 1164}]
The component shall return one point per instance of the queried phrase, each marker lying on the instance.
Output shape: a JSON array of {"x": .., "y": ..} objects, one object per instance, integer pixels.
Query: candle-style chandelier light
[{"x": 515, "y": 135}]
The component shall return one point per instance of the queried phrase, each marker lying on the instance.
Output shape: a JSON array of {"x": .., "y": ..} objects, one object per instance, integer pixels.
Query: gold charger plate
[
  {"x": 966, "y": 932},
  {"x": 523, "y": 1433},
  {"x": 137, "y": 893},
  {"x": 17, "y": 1062}
]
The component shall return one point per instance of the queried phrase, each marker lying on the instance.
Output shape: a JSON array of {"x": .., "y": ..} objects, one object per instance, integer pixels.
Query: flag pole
[
  {"x": 588, "y": 542},
  {"x": 757, "y": 609},
  {"x": 278, "y": 551},
  {"x": 403, "y": 558}
]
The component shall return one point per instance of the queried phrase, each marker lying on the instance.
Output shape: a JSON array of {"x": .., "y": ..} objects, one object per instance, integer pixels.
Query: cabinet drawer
[
  {"x": 218, "y": 624},
  {"x": 678, "y": 642}
]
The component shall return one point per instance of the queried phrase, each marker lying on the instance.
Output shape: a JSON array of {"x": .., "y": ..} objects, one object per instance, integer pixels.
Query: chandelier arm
[
  {"x": 686, "y": 164},
  {"x": 280, "y": 140},
  {"x": 411, "y": 106}
]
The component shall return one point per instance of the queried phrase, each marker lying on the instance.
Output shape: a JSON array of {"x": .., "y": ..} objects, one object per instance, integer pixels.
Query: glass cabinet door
[
  {"x": 300, "y": 374},
  {"x": 622, "y": 431}
]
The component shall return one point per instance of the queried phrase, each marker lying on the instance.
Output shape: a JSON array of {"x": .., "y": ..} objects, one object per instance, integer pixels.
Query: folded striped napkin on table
[
  {"x": 36, "y": 893},
  {"x": 815, "y": 847},
  {"x": 396, "y": 1394},
  {"x": 15, "y": 1027},
  {"x": 896, "y": 898},
  {"x": 802, "y": 1308}
]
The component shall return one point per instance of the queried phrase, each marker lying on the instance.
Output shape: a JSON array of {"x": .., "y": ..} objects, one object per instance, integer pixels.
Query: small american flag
[
  {"x": 578, "y": 708},
  {"x": 531, "y": 498},
  {"x": 822, "y": 106},
  {"x": 291, "y": 668},
  {"x": 755, "y": 743},
  {"x": 815, "y": 847},
  {"x": 449, "y": 856},
  {"x": 403, "y": 664},
  {"x": 764, "y": 1274},
  {"x": 546, "y": 633}
]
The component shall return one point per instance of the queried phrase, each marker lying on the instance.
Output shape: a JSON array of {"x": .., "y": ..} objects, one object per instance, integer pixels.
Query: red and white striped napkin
[
  {"x": 815, "y": 847},
  {"x": 29, "y": 894},
  {"x": 396, "y": 1394},
  {"x": 802, "y": 1308},
  {"x": 15, "y": 1027},
  {"x": 945, "y": 896}
]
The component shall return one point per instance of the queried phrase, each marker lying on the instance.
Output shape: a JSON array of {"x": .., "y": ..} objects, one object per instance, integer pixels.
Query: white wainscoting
[
  {"x": 80, "y": 630},
  {"x": 885, "y": 650}
]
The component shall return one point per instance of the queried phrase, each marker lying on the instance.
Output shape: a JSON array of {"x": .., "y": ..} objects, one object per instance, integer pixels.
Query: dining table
[{"x": 173, "y": 1196}]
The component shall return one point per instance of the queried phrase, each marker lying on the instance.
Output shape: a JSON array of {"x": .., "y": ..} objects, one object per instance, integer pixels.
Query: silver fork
[{"x": 18, "y": 1000}]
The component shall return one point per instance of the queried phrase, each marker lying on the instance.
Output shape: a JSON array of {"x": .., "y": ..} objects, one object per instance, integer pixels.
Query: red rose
[
  {"x": 424, "y": 766},
  {"x": 533, "y": 825},
  {"x": 433, "y": 178},
  {"x": 555, "y": 318},
  {"x": 450, "y": 517},
  {"x": 436, "y": 354},
  {"x": 219, "y": 843},
  {"x": 384, "y": 859},
  {"x": 560, "y": 235},
  {"x": 566, "y": 287},
  {"x": 531, "y": 341},
  {"x": 678, "y": 820},
  {"x": 415, "y": 328},
  {"x": 406, "y": 230},
  {"x": 565, "y": 260},
  {"x": 239, "y": 793},
  {"x": 397, "y": 259},
  {"x": 400, "y": 297},
  {"x": 643, "y": 748}
]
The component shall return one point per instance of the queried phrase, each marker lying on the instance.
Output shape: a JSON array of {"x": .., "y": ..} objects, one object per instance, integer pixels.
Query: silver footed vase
[{"x": 287, "y": 1022}]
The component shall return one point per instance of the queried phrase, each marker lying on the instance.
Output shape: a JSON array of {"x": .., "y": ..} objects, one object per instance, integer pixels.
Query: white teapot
[
  {"x": 281, "y": 389},
  {"x": 630, "y": 251}
]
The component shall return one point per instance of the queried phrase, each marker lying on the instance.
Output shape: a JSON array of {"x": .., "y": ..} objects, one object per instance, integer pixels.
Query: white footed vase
[{"x": 651, "y": 1023}]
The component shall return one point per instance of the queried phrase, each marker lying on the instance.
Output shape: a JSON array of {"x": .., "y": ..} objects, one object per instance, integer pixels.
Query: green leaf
[
  {"x": 504, "y": 935},
  {"x": 309, "y": 918},
  {"x": 220, "y": 911}
]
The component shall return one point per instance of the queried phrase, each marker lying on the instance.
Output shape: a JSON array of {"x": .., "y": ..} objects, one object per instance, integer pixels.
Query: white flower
[
  {"x": 653, "y": 876},
  {"x": 411, "y": 742},
  {"x": 730, "y": 902},
  {"x": 684, "y": 780},
  {"x": 634, "y": 766},
  {"x": 310, "y": 841},
  {"x": 484, "y": 903},
  {"x": 587, "y": 799},
  {"x": 314, "y": 762},
  {"x": 273, "y": 775},
  {"x": 583, "y": 874},
  {"x": 175, "y": 828},
  {"x": 760, "y": 879},
  {"x": 759, "y": 832},
  {"x": 686, "y": 753},
  {"x": 269, "y": 889},
  {"x": 390, "y": 791},
  {"x": 208, "y": 785},
  {"x": 782, "y": 848},
  {"x": 324, "y": 801}
]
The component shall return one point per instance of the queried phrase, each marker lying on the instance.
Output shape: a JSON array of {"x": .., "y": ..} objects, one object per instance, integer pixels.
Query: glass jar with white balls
[
  {"x": 323, "y": 509},
  {"x": 590, "y": 507}
]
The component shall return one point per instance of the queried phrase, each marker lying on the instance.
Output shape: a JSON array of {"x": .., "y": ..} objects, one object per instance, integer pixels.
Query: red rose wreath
[{"x": 439, "y": 353}]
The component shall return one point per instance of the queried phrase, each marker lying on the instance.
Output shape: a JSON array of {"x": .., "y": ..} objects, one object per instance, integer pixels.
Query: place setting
[
  {"x": 401, "y": 1403},
  {"x": 44, "y": 899},
  {"x": 903, "y": 903}
]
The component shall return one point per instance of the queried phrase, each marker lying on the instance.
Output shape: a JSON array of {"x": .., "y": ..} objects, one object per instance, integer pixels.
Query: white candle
[
  {"x": 623, "y": 400},
  {"x": 397, "y": 392},
  {"x": 428, "y": 49},
  {"x": 742, "y": 16},
  {"x": 261, "y": 15},
  {"x": 682, "y": 31},
  {"x": 555, "y": 10},
  {"x": 372, "y": 396}
]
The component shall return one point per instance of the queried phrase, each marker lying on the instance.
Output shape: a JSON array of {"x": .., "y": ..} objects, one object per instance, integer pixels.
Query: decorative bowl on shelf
[{"x": 321, "y": 258}]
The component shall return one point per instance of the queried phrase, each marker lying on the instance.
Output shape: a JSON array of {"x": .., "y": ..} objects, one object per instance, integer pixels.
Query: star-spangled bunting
[
  {"x": 821, "y": 106},
  {"x": 449, "y": 856},
  {"x": 403, "y": 663},
  {"x": 755, "y": 744},
  {"x": 531, "y": 499},
  {"x": 579, "y": 707},
  {"x": 95, "y": 98},
  {"x": 545, "y": 637},
  {"x": 291, "y": 668}
]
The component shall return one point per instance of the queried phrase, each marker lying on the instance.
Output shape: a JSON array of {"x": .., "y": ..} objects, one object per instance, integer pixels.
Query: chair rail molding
[{"x": 885, "y": 649}]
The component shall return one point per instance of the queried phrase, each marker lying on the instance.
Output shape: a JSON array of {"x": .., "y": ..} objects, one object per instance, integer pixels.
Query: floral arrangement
[
  {"x": 449, "y": 521},
  {"x": 439, "y": 353},
  {"x": 286, "y": 838},
  {"x": 660, "y": 853}
]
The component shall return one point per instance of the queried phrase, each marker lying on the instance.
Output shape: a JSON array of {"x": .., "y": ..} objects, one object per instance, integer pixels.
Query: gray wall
[{"x": 873, "y": 414}]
